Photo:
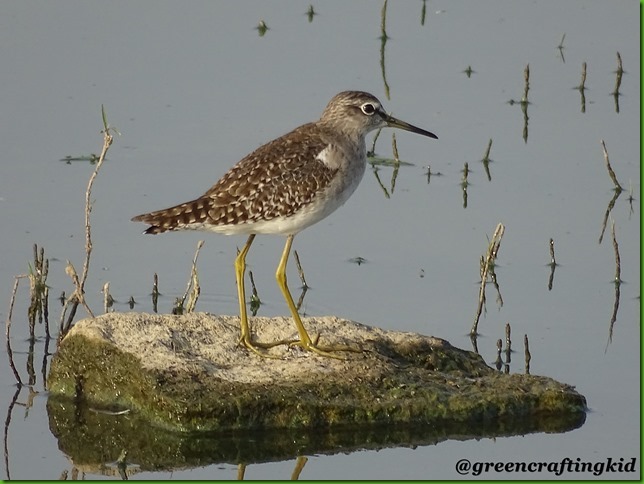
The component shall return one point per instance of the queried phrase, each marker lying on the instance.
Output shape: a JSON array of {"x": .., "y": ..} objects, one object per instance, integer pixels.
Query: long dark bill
[{"x": 397, "y": 123}]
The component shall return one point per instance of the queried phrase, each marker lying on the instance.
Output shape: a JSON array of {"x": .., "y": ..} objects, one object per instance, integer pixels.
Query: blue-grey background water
[{"x": 193, "y": 87}]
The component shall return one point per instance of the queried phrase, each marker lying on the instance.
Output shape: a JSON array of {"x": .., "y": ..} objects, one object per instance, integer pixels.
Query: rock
[{"x": 187, "y": 373}]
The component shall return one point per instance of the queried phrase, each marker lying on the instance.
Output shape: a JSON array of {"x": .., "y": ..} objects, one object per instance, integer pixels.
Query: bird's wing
[{"x": 275, "y": 180}]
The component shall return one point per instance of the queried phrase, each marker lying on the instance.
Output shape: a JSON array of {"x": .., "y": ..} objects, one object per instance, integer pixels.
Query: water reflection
[{"x": 96, "y": 441}]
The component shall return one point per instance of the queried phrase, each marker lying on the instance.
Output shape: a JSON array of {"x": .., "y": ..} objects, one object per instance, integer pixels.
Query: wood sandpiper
[{"x": 283, "y": 187}]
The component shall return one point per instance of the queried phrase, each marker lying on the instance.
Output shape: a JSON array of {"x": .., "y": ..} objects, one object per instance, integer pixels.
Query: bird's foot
[
  {"x": 259, "y": 348},
  {"x": 327, "y": 351}
]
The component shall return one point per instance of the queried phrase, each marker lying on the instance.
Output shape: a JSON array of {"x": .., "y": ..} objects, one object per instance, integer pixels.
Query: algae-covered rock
[{"x": 188, "y": 373}]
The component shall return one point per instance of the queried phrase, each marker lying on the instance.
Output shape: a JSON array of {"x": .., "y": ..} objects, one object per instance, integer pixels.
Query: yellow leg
[
  {"x": 305, "y": 340},
  {"x": 240, "y": 270},
  {"x": 241, "y": 470},
  {"x": 299, "y": 465},
  {"x": 245, "y": 338}
]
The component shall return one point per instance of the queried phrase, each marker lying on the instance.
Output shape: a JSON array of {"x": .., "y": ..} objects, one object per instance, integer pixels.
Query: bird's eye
[{"x": 368, "y": 108}]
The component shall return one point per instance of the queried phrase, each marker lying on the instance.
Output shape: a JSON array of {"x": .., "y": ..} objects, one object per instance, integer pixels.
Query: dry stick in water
[
  {"x": 300, "y": 271},
  {"x": 310, "y": 13},
  {"x": 78, "y": 296},
  {"x": 618, "y": 190},
  {"x": 108, "y": 300},
  {"x": 582, "y": 84},
  {"x": 498, "y": 363},
  {"x": 618, "y": 283},
  {"x": 372, "y": 152},
  {"x": 528, "y": 356},
  {"x": 305, "y": 286},
  {"x": 526, "y": 87},
  {"x": 465, "y": 183},
  {"x": 525, "y": 102},
  {"x": 486, "y": 160},
  {"x": 8, "y": 329},
  {"x": 155, "y": 292},
  {"x": 553, "y": 264},
  {"x": 383, "y": 40},
  {"x": 255, "y": 301},
  {"x": 192, "y": 289},
  {"x": 561, "y": 48},
  {"x": 618, "y": 82},
  {"x": 582, "y": 88},
  {"x": 508, "y": 341},
  {"x": 618, "y": 260},
  {"x": 492, "y": 252},
  {"x": 619, "y": 72},
  {"x": 611, "y": 173},
  {"x": 394, "y": 175},
  {"x": 38, "y": 291}
]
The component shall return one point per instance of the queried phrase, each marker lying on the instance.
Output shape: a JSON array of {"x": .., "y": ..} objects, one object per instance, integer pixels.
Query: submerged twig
[
  {"x": 611, "y": 173},
  {"x": 561, "y": 48},
  {"x": 553, "y": 264},
  {"x": 372, "y": 151},
  {"x": 38, "y": 291},
  {"x": 619, "y": 73},
  {"x": 526, "y": 86},
  {"x": 305, "y": 286},
  {"x": 465, "y": 183},
  {"x": 8, "y": 329},
  {"x": 486, "y": 160},
  {"x": 7, "y": 423},
  {"x": 618, "y": 260},
  {"x": 262, "y": 28},
  {"x": 582, "y": 87},
  {"x": 310, "y": 13},
  {"x": 384, "y": 189},
  {"x": 508, "y": 342},
  {"x": 618, "y": 282},
  {"x": 525, "y": 102},
  {"x": 255, "y": 301},
  {"x": 618, "y": 191},
  {"x": 394, "y": 149},
  {"x": 490, "y": 258},
  {"x": 618, "y": 81},
  {"x": 300, "y": 271},
  {"x": 498, "y": 363}
]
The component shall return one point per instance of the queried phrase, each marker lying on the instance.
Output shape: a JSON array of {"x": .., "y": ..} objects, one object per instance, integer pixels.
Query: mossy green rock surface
[{"x": 188, "y": 374}]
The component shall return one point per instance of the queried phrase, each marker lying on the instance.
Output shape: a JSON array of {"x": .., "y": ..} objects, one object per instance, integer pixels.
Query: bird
[{"x": 283, "y": 187}]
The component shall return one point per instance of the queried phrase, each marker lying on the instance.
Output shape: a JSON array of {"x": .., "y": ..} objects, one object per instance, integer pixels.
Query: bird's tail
[{"x": 173, "y": 218}]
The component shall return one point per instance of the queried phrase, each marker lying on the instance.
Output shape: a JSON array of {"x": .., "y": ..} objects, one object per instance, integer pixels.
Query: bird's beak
[{"x": 397, "y": 123}]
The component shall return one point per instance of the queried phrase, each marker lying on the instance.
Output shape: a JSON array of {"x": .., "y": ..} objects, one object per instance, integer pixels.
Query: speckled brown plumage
[{"x": 276, "y": 180}]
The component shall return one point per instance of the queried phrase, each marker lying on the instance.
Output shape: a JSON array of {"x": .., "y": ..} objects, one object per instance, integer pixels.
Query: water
[{"x": 192, "y": 90}]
